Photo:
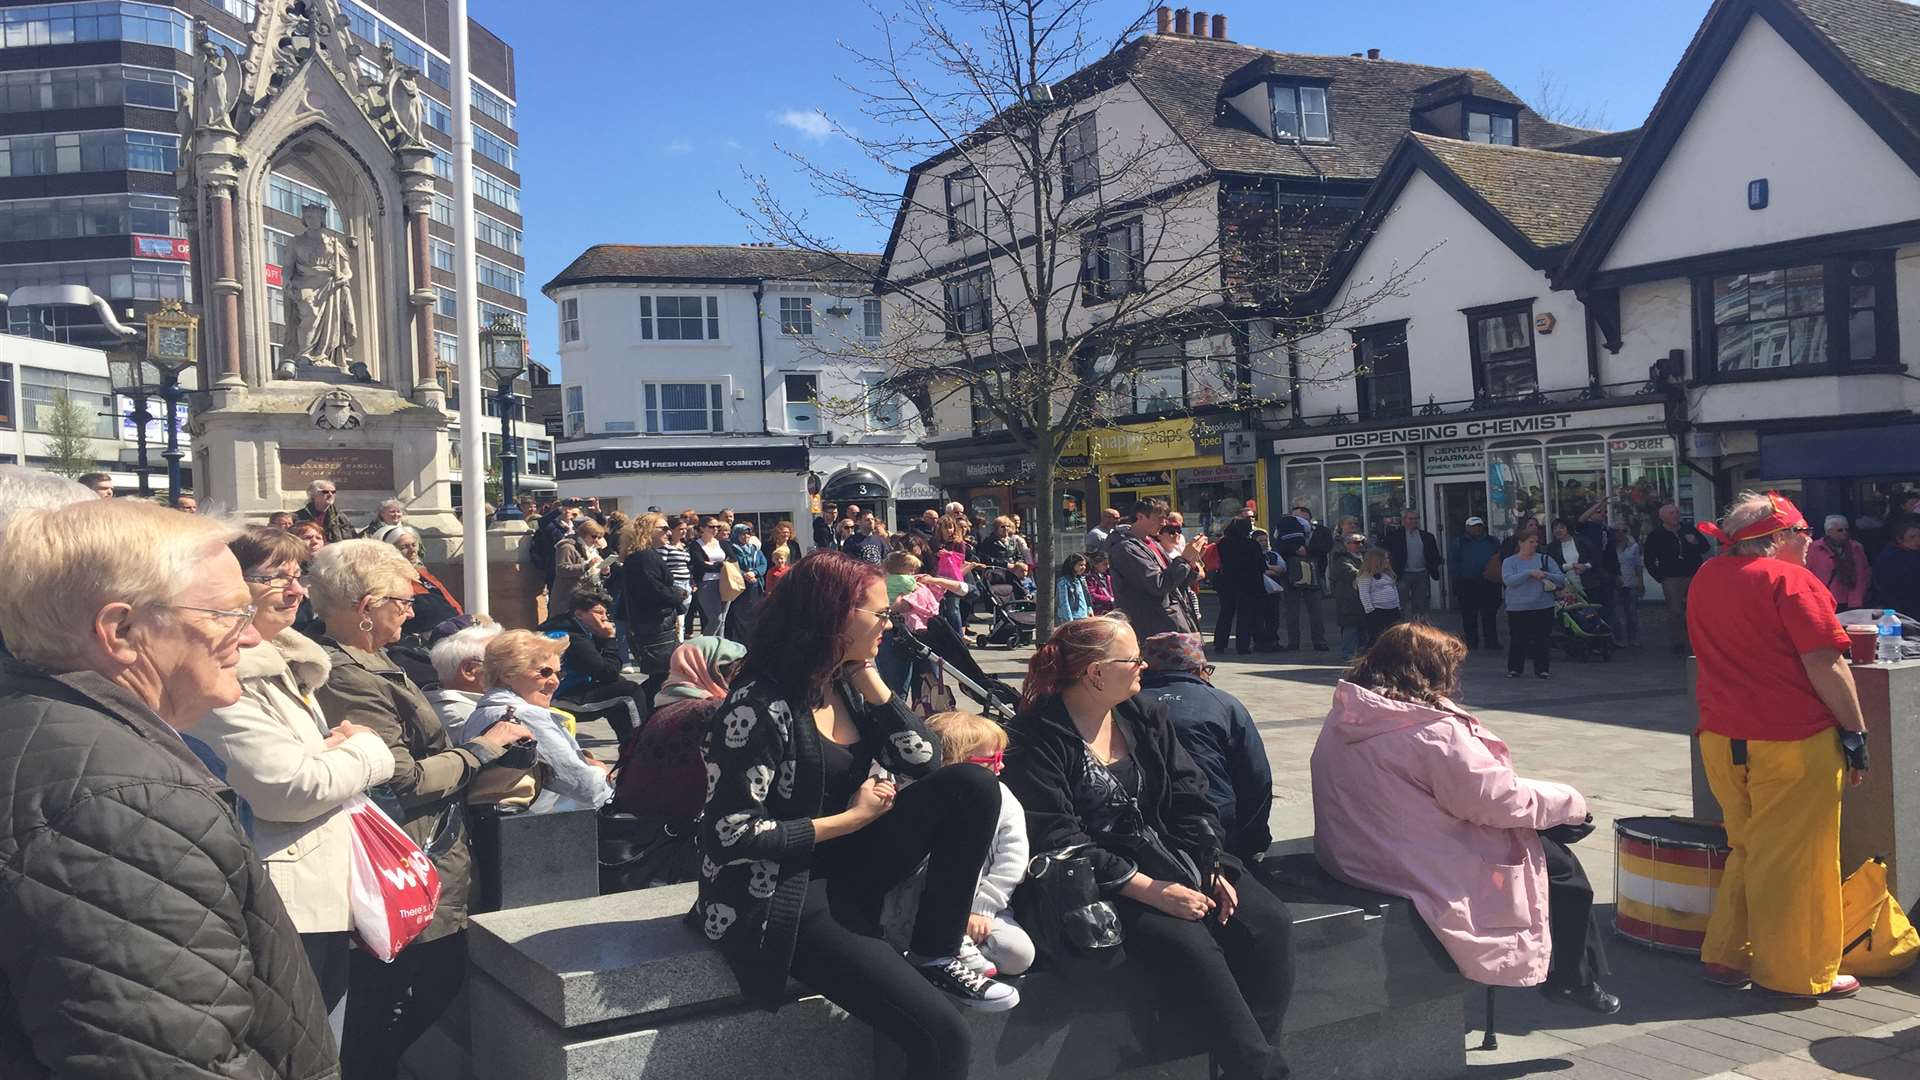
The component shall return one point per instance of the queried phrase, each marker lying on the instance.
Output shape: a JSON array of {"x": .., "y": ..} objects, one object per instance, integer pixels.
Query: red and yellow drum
[{"x": 1666, "y": 872}]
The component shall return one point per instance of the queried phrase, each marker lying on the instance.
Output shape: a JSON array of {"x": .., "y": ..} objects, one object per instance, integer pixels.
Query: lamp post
[
  {"x": 503, "y": 353},
  {"x": 129, "y": 371},
  {"x": 173, "y": 345}
]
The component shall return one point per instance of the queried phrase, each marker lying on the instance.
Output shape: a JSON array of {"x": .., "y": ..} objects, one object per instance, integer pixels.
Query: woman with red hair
[
  {"x": 807, "y": 824},
  {"x": 1097, "y": 764}
]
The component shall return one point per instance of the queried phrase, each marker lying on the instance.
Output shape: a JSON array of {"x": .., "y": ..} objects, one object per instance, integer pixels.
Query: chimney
[
  {"x": 1180, "y": 20},
  {"x": 1220, "y": 28},
  {"x": 1373, "y": 54},
  {"x": 1199, "y": 24},
  {"x": 1163, "y": 19}
]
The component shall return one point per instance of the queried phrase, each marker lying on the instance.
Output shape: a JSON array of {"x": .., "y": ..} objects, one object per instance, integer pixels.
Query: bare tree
[
  {"x": 68, "y": 427},
  {"x": 1551, "y": 101},
  {"x": 1055, "y": 239}
]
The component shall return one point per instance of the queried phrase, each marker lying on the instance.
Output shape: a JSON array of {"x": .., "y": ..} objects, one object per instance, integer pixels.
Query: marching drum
[{"x": 1666, "y": 871}]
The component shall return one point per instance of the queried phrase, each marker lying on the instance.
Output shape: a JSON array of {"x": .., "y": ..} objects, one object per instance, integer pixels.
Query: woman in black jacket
[
  {"x": 652, "y": 599},
  {"x": 804, "y": 830},
  {"x": 1095, "y": 763}
]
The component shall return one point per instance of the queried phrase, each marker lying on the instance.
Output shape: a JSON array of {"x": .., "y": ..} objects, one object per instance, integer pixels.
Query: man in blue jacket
[
  {"x": 1479, "y": 598},
  {"x": 1218, "y": 732}
]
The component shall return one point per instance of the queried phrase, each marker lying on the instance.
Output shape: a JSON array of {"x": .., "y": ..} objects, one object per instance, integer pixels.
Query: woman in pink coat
[
  {"x": 1840, "y": 563},
  {"x": 1412, "y": 797}
]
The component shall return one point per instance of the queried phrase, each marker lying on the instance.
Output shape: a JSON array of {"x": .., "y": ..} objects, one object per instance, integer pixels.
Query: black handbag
[
  {"x": 1073, "y": 929},
  {"x": 1570, "y": 833},
  {"x": 646, "y": 851}
]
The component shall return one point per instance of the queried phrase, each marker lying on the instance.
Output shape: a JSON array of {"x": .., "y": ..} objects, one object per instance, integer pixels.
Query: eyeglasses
[
  {"x": 241, "y": 616},
  {"x": 883, "y": 616},
  {"x": 406, "y": 600},
  {"x": 994, "y": 761},
  {"x": 545, "y": 672},
  {"x": 1802, "y": 529},
  {"x": 274, "y": 582},
  {"x": 1133, "y": 661}
]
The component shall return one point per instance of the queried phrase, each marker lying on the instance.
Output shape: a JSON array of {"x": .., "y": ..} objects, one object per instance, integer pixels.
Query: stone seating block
[{"x": 523, "y": 859}]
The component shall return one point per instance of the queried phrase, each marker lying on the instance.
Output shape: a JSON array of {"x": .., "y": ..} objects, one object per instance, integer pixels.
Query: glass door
[{"x": 1457, "y": 501}]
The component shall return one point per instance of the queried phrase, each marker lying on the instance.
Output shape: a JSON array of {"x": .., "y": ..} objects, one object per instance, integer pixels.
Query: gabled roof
[
  {"x": 1535, "y": 201},
  {"x": 711, "y": 264},
  {"x": 1186, "y": 79},
  {"x": 1867, "y": 50}
]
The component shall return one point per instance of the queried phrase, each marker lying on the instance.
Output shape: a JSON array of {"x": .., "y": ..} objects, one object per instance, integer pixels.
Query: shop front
[
  {"x": 760, "y": 484},
  {"x": 1864, "y": 472},
  {"x": 998, "y": 481},
  {"x": 1502, "y": 469},
  {"x": 1182, "y": 461}
]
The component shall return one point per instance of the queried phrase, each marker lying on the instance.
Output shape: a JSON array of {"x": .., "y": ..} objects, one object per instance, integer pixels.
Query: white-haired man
[
  {"x": 456, "y": 660},
  {"x": 321, "y": 510}
]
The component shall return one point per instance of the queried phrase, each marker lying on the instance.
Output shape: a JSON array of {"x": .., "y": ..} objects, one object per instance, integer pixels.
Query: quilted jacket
[
  {"x": 143, "y": 938},
  {"x": 427, "y": 794}
]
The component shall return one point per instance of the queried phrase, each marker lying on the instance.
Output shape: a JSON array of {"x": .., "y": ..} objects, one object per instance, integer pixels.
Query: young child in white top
[{"x": 994, "y": 944}]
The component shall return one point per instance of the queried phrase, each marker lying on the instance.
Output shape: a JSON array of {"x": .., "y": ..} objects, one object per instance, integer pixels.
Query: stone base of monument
[
  {"x": 256, "y": 449},
  {"x": 1881, "y": 817},
  {"x": 616, "y": 986}
]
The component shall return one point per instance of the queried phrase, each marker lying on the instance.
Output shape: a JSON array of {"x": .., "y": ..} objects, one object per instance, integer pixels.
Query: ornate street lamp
[
  {"x": 173, "y": 345},
  {"x": 503, "y": 354},
  {"x": 129, "y": 371}
]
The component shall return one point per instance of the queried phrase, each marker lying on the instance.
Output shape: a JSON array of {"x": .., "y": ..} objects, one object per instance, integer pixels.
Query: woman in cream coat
[{"x": 293, "y": 772}]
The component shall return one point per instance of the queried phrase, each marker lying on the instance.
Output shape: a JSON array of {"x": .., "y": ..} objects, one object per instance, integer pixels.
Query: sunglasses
[
  {"x": 995, "y": 761},
  {"x": 545, "y": 672}
]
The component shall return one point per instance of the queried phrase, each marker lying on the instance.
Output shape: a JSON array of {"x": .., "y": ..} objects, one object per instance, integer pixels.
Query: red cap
[{"x": 1785, "y": 516}]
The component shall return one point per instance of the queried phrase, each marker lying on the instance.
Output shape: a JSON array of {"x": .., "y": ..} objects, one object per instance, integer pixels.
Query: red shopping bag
[{"x": 392, "y": 885}]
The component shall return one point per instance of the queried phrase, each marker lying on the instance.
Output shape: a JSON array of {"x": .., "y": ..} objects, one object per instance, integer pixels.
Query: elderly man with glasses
[{"x": 136, "y": 910}]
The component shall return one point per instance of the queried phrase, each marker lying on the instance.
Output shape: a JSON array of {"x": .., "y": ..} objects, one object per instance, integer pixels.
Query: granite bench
[{"x": 616, "y": 986}]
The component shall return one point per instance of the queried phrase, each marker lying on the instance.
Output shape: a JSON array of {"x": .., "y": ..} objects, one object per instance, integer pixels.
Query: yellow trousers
[{"x": 1777, "y": 915}]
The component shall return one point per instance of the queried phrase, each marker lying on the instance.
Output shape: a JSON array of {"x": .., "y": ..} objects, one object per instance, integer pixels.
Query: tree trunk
[{"x": 1045, "y": 552}]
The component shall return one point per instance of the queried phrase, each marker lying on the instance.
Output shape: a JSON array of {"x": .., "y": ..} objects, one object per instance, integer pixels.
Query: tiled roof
[
  {"x": 1544, "y": 194},
  {"x": 712, "y": 263},
  {"x": 1371, "y": 103},
  {"x": 1880, "y": 37}
]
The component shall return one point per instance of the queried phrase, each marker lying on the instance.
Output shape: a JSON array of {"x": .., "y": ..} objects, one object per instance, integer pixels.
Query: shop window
[
  {"x": 1347, "y": 491},
  {"x": 1579, "y": 475},
  {"x": 1642, "y": 470},
  {"x": 1516, "y": 487},
  {"x": 1386, "y": 490},
  {"x": 1304, "y": 489},
  {"x": 1502, "y": 342},
  {"x": 1816, "y": 314},
  {"x": 1380, "y": 373}
]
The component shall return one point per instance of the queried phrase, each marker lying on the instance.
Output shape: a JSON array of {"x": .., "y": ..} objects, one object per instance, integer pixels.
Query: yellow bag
[{"x": 1881, "y": 943}]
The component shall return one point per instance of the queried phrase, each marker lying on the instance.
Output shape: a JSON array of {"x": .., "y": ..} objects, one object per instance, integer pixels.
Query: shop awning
[
  {"x": 856, "y": 484},
  {"x": 1855, "y": 452}
]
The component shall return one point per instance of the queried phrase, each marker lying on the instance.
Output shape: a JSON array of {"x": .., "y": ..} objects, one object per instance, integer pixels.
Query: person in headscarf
[{"x": 661, "y": 772}]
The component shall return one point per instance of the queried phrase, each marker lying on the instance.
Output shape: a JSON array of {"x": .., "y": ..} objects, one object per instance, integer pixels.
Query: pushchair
[
  {"x": 1579, "y": 627},
  {"x": 940, "y": 640},
  {"x": 1014, "y": 614}
]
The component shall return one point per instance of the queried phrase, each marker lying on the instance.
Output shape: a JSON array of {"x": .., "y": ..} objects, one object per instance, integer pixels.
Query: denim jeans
[{"x": 1352, "y": 640}]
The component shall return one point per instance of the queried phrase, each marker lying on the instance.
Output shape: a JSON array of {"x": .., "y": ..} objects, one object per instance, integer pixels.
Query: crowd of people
[{"x": 202, "y": 709}]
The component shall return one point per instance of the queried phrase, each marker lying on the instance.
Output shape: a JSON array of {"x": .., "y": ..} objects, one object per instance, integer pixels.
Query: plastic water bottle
[{"x": 1887, "y": 648}]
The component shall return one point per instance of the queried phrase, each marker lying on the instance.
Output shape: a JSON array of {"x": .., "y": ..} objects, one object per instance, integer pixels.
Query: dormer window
[
  {"x": 1497, "y": 128},
  {"x": 1300, "y": 113}
]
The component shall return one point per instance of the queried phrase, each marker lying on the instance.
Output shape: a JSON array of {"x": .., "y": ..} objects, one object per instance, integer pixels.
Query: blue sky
[{"x": 638, "y": 118}]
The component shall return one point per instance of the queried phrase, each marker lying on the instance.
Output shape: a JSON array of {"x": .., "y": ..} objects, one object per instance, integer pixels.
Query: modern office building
[{"x": 89, "y": 146}]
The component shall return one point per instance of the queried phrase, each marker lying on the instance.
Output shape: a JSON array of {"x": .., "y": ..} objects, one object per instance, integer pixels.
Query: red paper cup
[{"x": 1866, "y": 642}]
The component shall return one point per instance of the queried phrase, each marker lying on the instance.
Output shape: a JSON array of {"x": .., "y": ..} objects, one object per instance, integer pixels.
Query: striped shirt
[
  {"x": 678, "y": 565},
  {"x": 1379, "y": 593}
]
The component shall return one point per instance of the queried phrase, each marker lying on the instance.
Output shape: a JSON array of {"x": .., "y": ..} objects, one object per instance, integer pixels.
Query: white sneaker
[
  {"x": 970, "y": 988},
  {"x": 971, "y": 956}
]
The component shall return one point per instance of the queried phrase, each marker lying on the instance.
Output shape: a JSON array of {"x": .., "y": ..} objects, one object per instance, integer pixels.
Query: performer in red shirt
[{"x": 1780, "y": 728}]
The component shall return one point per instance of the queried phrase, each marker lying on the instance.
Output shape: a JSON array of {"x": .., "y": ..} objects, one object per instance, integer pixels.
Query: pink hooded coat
[{"x": 1421, "y": 802}]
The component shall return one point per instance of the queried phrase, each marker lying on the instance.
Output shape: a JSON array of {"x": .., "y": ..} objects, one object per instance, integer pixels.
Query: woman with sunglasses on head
[
  {"x": 521, "y": 670},
  {"x": 280, "y": 758},
  {"x": 363, "y": 590},
  {"x": 809, "y": 822},
  {"x": 1096, "y": 763}
]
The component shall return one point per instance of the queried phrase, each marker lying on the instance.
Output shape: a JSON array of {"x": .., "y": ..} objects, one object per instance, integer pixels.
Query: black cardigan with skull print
[{"x": 765, "y": 785}]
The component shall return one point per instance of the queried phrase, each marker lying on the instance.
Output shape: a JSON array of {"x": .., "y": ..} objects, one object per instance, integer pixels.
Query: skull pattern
[
  {"x": 739, "y": 725},
  {"x": 913, "y": 749},
  {"x": 785, "y": 784},
  {"x": 708, "y": 868},
  {"x": 732, "y": 827},
  {"x": 713, "y": 778},
  {"x": 765, "y": 877},
  {"x": 720, "y": 919},
  {"x": 781, "y": 714},
  {"x": 759, "y": 779}
]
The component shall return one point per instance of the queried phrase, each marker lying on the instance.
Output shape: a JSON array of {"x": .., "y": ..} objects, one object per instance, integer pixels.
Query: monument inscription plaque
[{"x": 350, "y": 468}]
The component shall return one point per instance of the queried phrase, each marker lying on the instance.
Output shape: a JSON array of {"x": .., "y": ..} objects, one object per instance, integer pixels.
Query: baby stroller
[
  {"x": 940, "y": 640},
  {"x": 1578, "y": 625},
  {"x": 1013, "y": 611}
]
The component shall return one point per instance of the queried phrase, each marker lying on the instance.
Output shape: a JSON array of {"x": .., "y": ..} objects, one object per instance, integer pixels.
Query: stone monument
[{"x": 352, "y": 395}]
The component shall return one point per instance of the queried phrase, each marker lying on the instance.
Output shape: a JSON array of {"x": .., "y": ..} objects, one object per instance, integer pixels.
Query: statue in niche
[
  {"x": 404, "y": 105},
  {"x": 216, "y": 88},
  {"x": 319, "y": 274}
]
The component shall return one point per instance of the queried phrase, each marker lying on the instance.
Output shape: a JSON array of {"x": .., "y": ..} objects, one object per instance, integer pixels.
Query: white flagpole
[{"x": 473, "y": 444}]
